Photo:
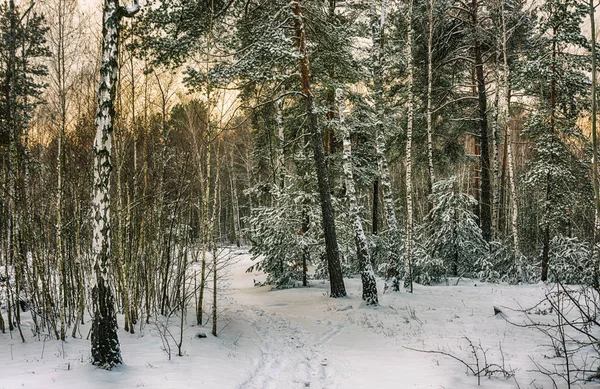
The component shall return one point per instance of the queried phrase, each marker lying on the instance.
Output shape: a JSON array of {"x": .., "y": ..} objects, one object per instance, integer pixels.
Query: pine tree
[
  {"x": 337, "y": 288},
  {"x": 453, "y": 236},
  {"x": 556, "y": 78}
]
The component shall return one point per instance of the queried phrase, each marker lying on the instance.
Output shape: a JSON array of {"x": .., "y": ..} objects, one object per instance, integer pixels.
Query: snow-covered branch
[{"x": 129, "y": 12}]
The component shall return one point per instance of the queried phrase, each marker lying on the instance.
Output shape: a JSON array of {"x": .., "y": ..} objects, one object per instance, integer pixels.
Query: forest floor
[{"x": 300, "y": 338}]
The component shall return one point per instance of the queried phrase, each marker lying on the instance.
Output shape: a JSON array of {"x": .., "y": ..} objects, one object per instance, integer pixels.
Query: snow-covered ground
[{"x": 300, "y": 338}]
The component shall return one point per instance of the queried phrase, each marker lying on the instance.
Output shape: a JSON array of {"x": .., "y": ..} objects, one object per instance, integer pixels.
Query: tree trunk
[
  {"x": 214, "y": 265},
  {"x": 495, "y": 179},
  {"x": 336, "y": 279},
  {"x": 375, "y": 214},
  {"x": 106, "y": 352},
  {"x": 235, "y": 203},
  {"x": 280, "y": 143},
  {"x": 369, "y": 286},
  {"x": 205, "y": 233},
  {"x": 10, "y": 122},
  {"x": 305, "y": 249},
  {"x": 502, "y": 205},
  {"x": 409, "y": 135},
  {"x": 60, "y": 67},
  {"x": 384, "y": 172},
  {"x": 486, "y": 189},
  {"x": 431, "y": 177},
  {"x": 595, "y": 145},
  {"x": 546, "y": 242},
  {"x": 509, "y": 155}
]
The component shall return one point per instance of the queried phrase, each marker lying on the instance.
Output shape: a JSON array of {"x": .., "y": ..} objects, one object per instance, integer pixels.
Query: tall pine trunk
[
  {"x": 336, "y": 279},
  {"x": 486, "y": 188},
  {"x": 546, "y": 237}
]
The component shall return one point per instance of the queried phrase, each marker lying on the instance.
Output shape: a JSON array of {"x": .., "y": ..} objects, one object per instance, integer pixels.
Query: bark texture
[
  {"x": 429, "y": 101},
  {"x": 385, "y": 183},
  {"x": 509, "y": 154},
  {"x": 409, "y": 136},
  {"x": 486, "y": 187},
  {"x": 336, "y": 279},
  {"x": 106, "y": 351},
  {"x": 369, "y": 285}
]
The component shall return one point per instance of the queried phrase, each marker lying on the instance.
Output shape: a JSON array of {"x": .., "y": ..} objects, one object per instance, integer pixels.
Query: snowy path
[
  {"x": 293, "y": 348},
  {"x": 289, "y": 356}
]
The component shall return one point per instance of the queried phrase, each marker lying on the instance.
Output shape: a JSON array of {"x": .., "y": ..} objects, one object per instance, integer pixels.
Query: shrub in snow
[
  {"x": 570, "y": 261},
  {"x": 279, "y": 246},
  {"x": 498, "y": 265},
  {"x": 451, "y": 230},
  {"x": 426, "y": 269},
  {"x": 388, "y": 252}
]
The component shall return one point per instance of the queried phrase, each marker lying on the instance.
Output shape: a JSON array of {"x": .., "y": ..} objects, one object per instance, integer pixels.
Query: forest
[{"x": 174, "y": 166}]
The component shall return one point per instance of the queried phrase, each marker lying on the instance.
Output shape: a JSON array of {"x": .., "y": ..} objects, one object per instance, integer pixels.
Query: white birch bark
[
  {"x": 106, "y": 352},
  {"x": 495, "y": 177},
  {"x": 205, "y": 232},
  {"x": 409, "y": 135},
  {"x": 10, "y": 121},
  {"x": 380, "y": 148},
  {"x": 510, "y": 163},
  {"x": 595, "y": 253},
  {"x": 369, "y": 286},
  {"x": 280, "y": 143},
  {"x": 429, "y": 98},
  {"x": 235, "y": 208},
  {"x": 60, "y": 78},
  {"x": 205, "y": 217},
  {"x": 213, "y": 219}
]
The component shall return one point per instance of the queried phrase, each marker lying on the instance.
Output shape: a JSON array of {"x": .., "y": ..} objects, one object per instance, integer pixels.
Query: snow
[{"x": 300, "y": 338}]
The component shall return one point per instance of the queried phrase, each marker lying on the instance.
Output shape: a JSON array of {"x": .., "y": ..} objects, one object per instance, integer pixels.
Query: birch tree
[
  {"x": 409, "y": 162},
  {"x": 63, "y": 39},
  {"x": 385, "y": 182},
  {"x": 505, "y": 89},
  {"x": 106, "y": 352},
  {"x": 369, "y": 286},
  {"x": 429, "y": 113}
]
